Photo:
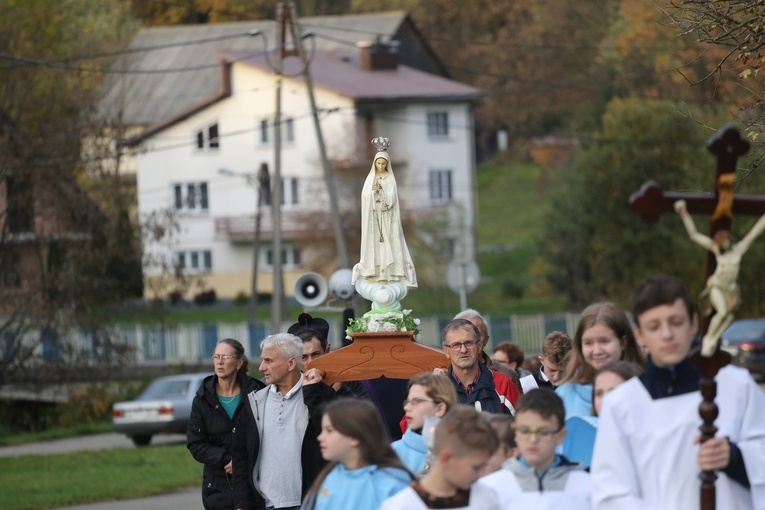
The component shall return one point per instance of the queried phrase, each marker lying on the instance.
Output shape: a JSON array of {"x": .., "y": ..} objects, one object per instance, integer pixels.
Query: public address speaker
[{"x": 311, "y": 289}]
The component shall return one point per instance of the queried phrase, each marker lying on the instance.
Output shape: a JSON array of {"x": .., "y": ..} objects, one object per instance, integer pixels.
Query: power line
[
  {"x": 130, "y": 51},
  {"x": 112, "y": 70}
]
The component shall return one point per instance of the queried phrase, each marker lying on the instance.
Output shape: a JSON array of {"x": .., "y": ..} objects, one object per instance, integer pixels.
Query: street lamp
[{"x": 258, "y": 185}]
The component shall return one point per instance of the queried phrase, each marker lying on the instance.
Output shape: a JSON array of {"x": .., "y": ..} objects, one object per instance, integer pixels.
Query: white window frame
[
  {"x": 438, "y": 124},
  {"x": 290, "y": 191},
  {"x": 193, "y": 261},
  {"x": 207, "y": 138},
  {"x": 265, "y": 130},
  {"x": 291, "y": 257},
  {"x": 441, "y": 185},
  {"x": 190, "y": 197}
]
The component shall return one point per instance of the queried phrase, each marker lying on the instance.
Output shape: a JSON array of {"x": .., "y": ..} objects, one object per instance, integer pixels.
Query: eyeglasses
[
  {"x": 457, "y": 346},
  {"x": 541, "y": 434},
  {"x": 416, "y": 401},
  {"x": 224, "y": 357}
]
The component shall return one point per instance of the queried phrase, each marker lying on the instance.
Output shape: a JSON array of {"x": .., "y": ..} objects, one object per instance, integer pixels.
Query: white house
[{"x": 361, "y": 93}]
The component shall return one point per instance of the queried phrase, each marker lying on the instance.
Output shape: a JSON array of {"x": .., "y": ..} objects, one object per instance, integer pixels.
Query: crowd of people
[{"x": 604, "y": 420}]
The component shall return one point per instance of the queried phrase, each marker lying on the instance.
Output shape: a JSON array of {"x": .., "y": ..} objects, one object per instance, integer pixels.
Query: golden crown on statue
[{"x": 381, "y": 144}]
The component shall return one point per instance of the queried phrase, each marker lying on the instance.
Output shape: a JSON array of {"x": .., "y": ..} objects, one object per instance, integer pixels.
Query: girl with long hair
[
  {"x": 604, "y": 334},
  {"x": 362, "y": 470}
]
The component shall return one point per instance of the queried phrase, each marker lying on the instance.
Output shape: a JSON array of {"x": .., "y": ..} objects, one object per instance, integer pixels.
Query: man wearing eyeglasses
[
  {"x": 475, "y": 384},
  {"x": 483, "y": 328}
]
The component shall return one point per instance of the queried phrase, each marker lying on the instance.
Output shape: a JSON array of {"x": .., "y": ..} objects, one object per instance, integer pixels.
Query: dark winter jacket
[
  {"x": 247, "y": 445},
  {"x": 484, "y": 396},
  {"x": 209, "y": 439}
]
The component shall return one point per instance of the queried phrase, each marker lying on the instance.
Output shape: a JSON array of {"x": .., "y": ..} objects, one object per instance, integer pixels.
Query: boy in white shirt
[
  {"x": 464, "y": 442},
  {"x": 646, "y": 450}
]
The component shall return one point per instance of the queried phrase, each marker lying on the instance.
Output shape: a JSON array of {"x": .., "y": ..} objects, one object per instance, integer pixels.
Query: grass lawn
[
  {"x": 49, "y": 481},
  {"x": 511, "y": 207}
]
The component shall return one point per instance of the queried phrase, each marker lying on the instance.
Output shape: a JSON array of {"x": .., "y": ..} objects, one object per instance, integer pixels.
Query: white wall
[{"x": 171, "y": 156}]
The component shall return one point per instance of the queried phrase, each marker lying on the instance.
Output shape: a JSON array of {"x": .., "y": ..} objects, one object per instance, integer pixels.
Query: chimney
[{"x": 379, "y": 56}]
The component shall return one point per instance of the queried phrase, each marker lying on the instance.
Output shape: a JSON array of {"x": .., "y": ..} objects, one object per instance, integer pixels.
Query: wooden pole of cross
[{"x": 651, "y": 201}]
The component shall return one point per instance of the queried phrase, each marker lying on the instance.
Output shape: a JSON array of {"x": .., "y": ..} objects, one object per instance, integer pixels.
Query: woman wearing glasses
[{"x": 213, "y": 412}]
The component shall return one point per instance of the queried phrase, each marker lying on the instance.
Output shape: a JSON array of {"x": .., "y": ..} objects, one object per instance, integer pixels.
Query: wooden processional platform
[{"x": 372, "y": 355}]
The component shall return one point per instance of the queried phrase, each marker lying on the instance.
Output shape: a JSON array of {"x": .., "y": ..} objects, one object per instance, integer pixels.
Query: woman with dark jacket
[{"x": 213, "y": 413}]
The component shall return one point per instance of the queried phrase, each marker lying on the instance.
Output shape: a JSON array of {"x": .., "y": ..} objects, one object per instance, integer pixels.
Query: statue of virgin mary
[{"x": 385, "y": 257}]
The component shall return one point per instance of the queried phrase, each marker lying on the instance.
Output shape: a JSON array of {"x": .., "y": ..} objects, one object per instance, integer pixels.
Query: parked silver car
[
  {"x": 745, "y": 341},
  {"x": 164, "y": 407}
]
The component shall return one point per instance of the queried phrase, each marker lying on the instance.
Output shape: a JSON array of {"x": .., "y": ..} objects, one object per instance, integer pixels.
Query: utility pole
[
  {"x": 263, "y": 184},
  {"x": 342, "y": 249},
  {"x": 276, "y": 195}
]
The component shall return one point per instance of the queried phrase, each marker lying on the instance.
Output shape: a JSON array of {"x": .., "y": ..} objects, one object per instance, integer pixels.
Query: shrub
[
  {"x": 206, "y": 297},
  {"x": 93, "y": 403},
  {"x": 241, "y": 298}
]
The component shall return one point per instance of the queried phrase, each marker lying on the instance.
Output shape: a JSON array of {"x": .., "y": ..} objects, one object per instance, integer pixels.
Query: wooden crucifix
[{"x": 651, "y": 201}]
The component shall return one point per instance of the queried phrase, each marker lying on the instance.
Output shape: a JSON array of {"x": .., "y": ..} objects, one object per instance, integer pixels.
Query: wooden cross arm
[
  {"x": 651, "y": 201},
  {"x": 372, "y": 355}
]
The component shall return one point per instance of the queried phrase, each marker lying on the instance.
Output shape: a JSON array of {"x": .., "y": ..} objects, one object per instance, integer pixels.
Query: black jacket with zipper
[{"x": 209, "y": 439}]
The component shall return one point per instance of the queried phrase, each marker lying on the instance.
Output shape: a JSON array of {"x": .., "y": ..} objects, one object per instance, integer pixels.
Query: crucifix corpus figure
[{"x": 722, "y": 292}]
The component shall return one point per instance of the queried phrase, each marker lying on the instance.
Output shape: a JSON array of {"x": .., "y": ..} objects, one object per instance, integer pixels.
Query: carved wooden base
[{"x": 372, "y": 355}]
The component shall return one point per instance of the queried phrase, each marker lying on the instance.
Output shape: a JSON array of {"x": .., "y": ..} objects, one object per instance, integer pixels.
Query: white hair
[
  {"x": 473, "y": 314},
  {"x": 288, "y": 344}
]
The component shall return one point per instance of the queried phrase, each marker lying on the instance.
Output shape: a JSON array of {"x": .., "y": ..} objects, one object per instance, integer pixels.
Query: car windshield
[
  {"x": 745, "y": 331},
  {"x": 166, "y": 389}
]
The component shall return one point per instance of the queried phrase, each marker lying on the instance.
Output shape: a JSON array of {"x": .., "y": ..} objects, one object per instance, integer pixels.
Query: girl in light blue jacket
[
  {"x": 430, "y": 396},
  {"x": 363, "y": 469}
]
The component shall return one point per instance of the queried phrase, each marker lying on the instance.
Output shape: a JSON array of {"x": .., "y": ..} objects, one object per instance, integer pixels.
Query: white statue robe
[
  {"x": 645, "y": 457},
  {"x": 384, "y": 254}
]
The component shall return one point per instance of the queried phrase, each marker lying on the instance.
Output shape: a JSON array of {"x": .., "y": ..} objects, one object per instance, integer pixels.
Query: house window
[
  {"x": 288, "y": 130},
  {"x": 20, "y": 216},
  {"x": 194, "y": 261},
  {"x": 290, "y": 257},
  {"x": 289, "y": 192},
  {"x": 440, "y": 186},
  {"x": 10, "y": 261},
  {"x": 191, "y": 197},
  {"x": 208, "y": 138},
  {"x": 438, "y": 124}
]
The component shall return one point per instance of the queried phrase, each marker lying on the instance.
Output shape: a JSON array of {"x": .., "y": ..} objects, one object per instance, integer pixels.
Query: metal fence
[{"x": 193, "y": 343}]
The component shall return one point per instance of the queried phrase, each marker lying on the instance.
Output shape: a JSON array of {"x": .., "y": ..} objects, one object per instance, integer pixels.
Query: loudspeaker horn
[
  {"x": 340, "y": 285},
  {"x": 310, "y": 289}
]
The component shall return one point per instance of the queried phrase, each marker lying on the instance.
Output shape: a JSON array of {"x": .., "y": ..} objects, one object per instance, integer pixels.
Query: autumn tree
[
  {"x": 62, "y": 257},
  {"x": 597, "y": 246},
  {"x": 735, "y": 32}
]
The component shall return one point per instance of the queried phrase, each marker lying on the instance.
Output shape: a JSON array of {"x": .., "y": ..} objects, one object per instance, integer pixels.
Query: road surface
[{"x": 85, "y": 443}]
